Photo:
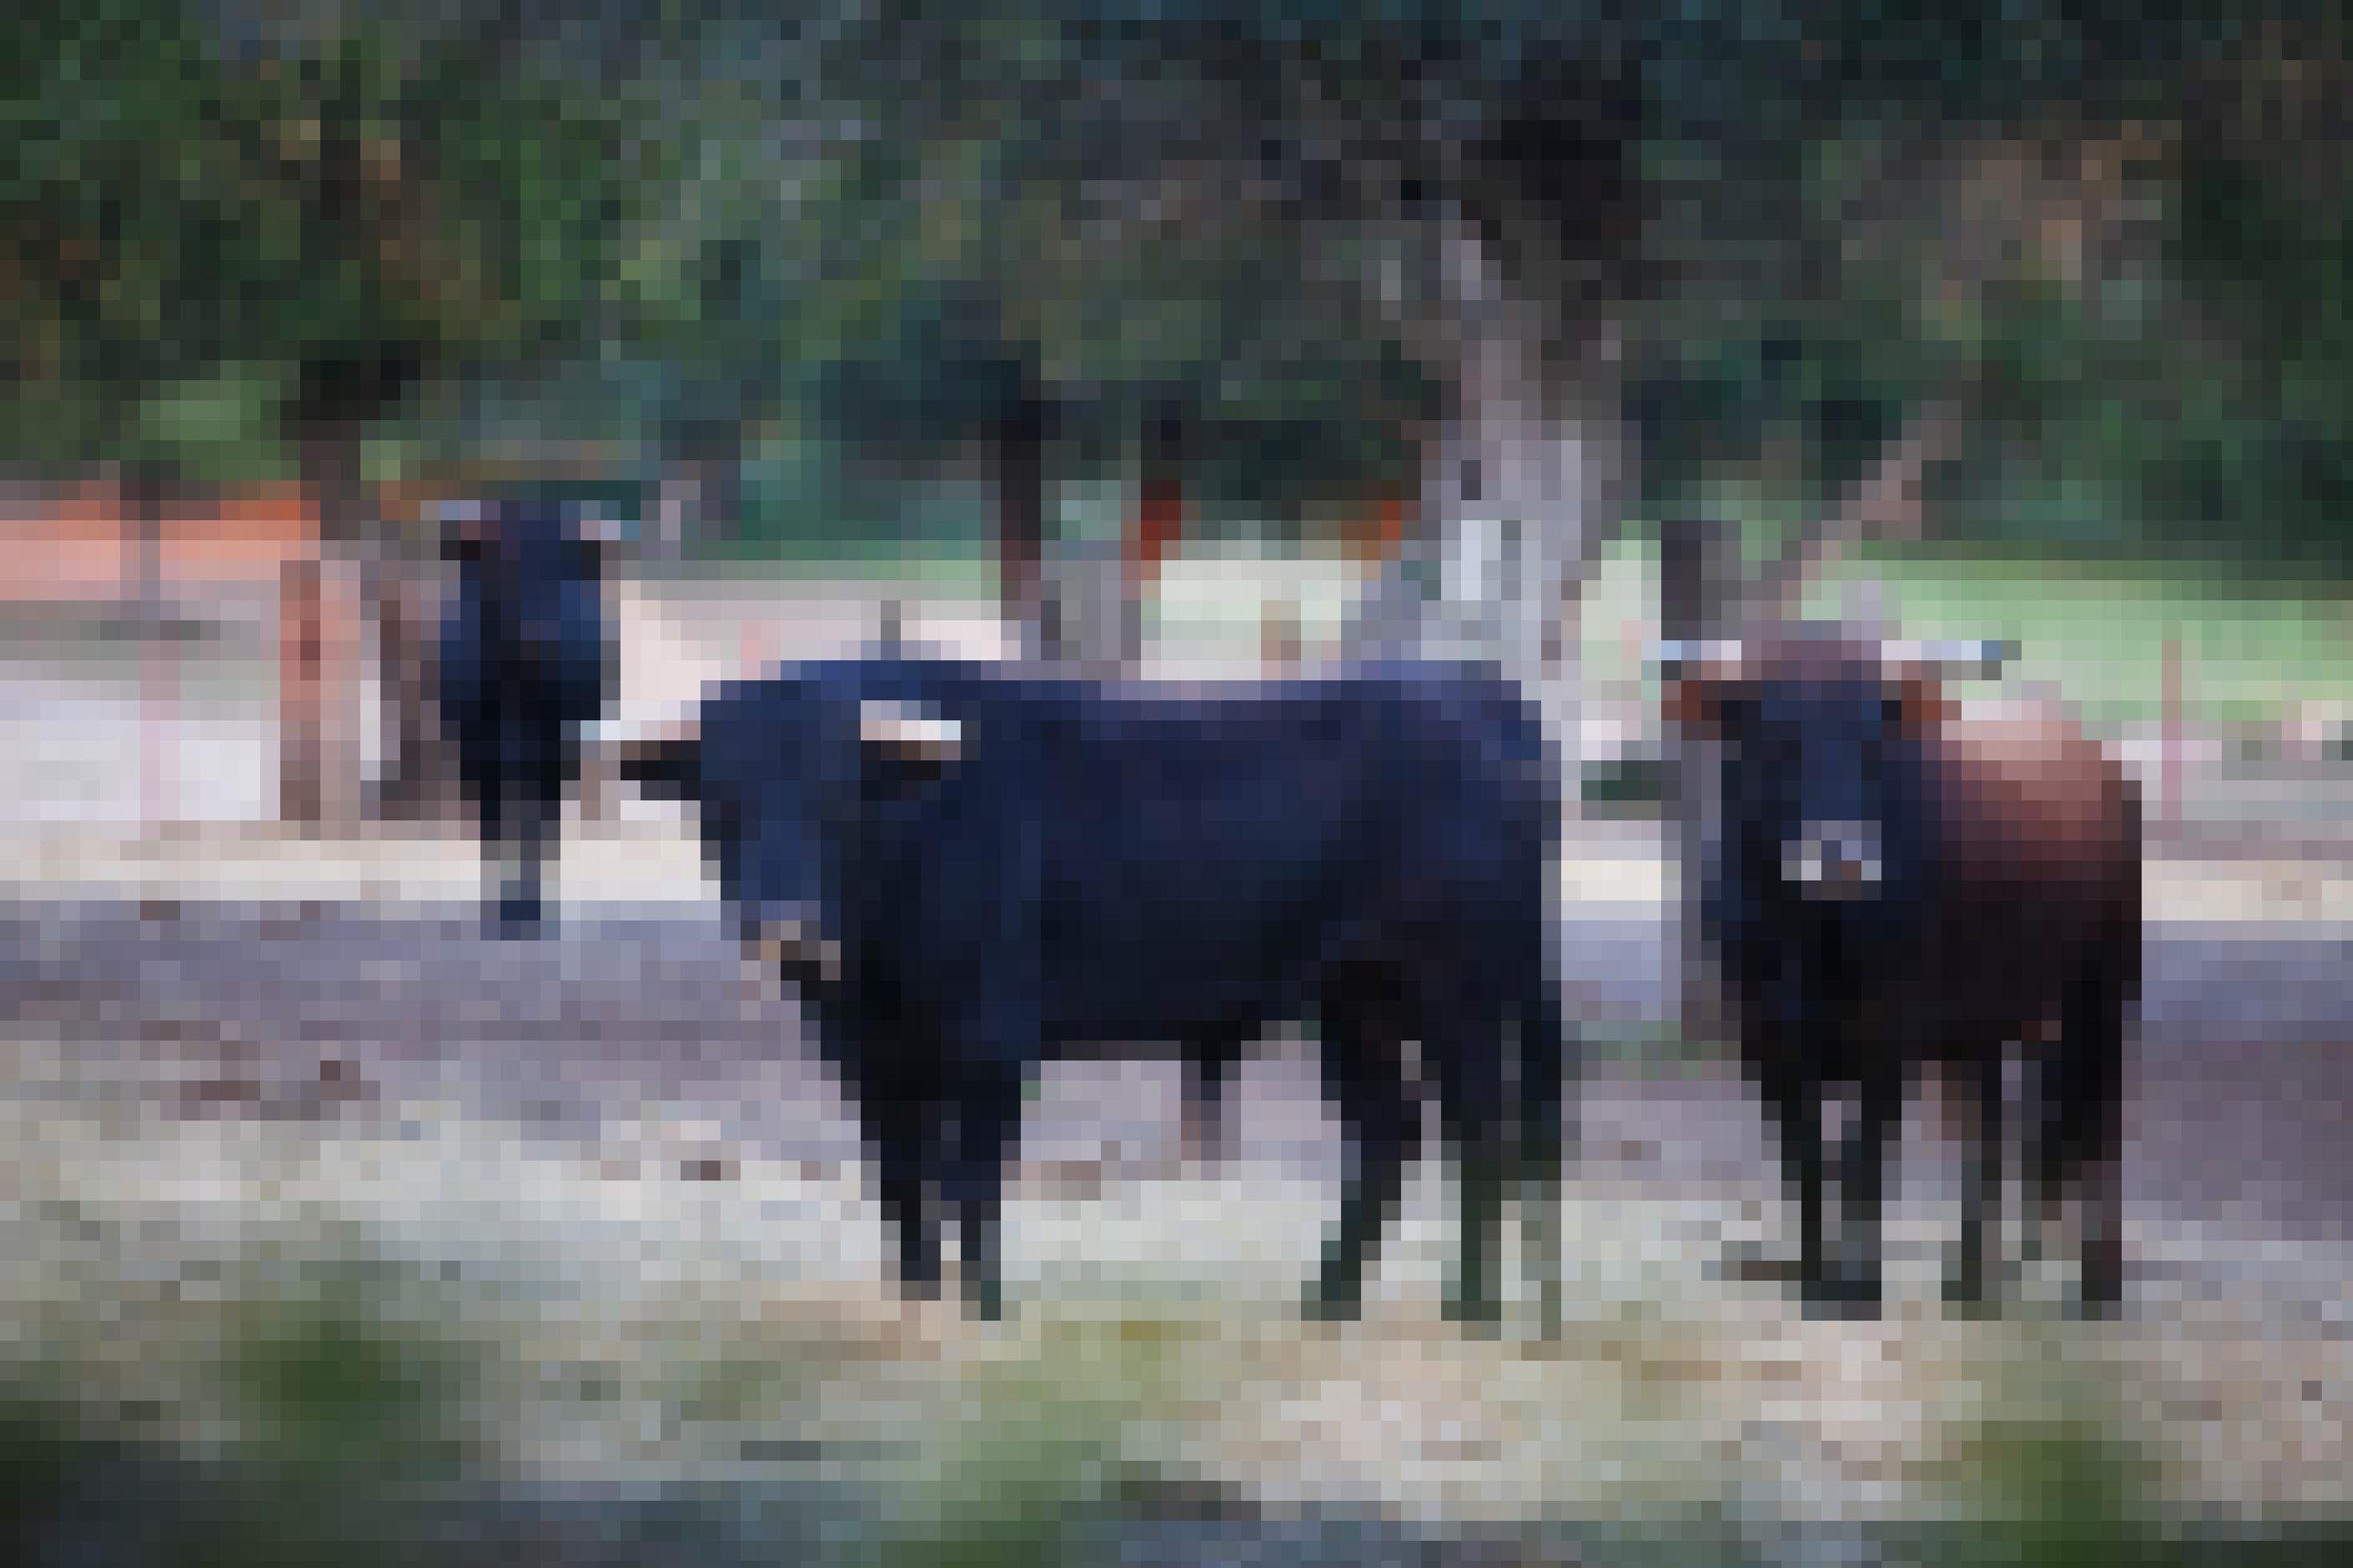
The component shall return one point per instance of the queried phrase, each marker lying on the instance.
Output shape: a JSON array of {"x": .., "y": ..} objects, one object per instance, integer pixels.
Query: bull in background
[
  {"x": 969, "y": 872},
  {"x": 1896, "y": 886},
  {"x": 528, "y": 659}
]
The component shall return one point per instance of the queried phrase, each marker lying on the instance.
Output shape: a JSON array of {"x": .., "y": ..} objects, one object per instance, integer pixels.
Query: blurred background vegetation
[{"x": 826, "y": 265}]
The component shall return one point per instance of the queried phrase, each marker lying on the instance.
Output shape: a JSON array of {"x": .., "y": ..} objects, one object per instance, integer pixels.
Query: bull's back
[
  {"x": 1174, "y": 865},
  {"x": 2041, "y": 856},
  {"x": 2032, "y": 806}
]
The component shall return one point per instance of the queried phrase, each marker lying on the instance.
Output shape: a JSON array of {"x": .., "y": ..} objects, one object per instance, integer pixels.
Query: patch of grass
[
  {"x": 2052, "y": 1476},
  {"x": 860, "y": 560},
  {"x": 352, "y": 1366},
  {"x": 1036, "y": 1464},
  {"x": 1655, "y": 1051},
  {"x": 2099, "y": 633},
  {"x": 1630, "y": 785},
  {"x": 342, "y": 1422},
  {"x": 2096, "y": 631}
]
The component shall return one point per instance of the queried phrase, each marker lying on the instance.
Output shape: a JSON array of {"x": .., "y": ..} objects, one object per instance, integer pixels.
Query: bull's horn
[
  {"x": 905, "y": 731},
  {"x": 596, "y": 527},
  {"x": 790, "y": 945},
  {"x": 653, "y": 755},
  {"x": 1982, "y": 658},
  {"x": 463, "y": 524},
  {"x": 609, "y": 735},
  {"x": 1673, "y": 655}
]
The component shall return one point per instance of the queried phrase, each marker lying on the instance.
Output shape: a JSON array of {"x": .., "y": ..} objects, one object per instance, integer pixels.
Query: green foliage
[
  {"x": 344, "y": 1376},
  {"x": 339, "y": 219},
  {"x": 2066, "y": 1492},
  {"x": 1033, "y": 1472}
]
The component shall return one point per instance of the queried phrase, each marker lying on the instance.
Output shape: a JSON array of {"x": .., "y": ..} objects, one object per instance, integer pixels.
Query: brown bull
[{"x": 1896, "y": 886}]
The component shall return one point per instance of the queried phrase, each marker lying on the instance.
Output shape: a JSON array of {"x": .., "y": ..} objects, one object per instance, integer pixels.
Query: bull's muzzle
[
  {"x": 792, "y": 946},
  {"x": 1832, "y": 861}
]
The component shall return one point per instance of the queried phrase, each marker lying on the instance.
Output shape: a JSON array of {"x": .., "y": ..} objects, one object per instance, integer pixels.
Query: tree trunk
[
  {"x": 1522, "y": 487},
  {"x": 1701, "y": 588},
  {"x": 1019, "y": 477},
  {"x": 142, "y": 494},
  {"x": 717, "y": 479},
  {"x": 1885, "y": 504},
  {"x": 1155, "y": 528},
  {"x": 396, "y": 600}
]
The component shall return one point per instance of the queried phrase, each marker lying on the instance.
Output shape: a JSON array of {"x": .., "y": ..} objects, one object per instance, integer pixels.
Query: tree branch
[{"x": 1883, "y": 504}]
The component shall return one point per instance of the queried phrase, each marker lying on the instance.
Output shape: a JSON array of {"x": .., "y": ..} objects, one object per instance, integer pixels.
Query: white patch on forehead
[
  {"x": 1834, "y": 860},
  {"x": 908, "y": 728}
]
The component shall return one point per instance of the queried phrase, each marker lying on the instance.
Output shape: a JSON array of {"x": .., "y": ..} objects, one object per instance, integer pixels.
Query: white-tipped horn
[
  {"x": 906, "y": 731},
  {"x": 596, "y": 527},
  {"x": 605, "y": 734},
  {"x": 1674, "y": 656},
  {"x": 1980, "y": 659},
  {"x": 639, "y": 749}
]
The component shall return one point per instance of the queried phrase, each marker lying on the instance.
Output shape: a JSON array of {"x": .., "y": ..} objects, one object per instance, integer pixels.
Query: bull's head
[
  {"x": 775, "y": 781},
  {"x": 539, "y": 571},
  {"x": 1825, "y": 790}
]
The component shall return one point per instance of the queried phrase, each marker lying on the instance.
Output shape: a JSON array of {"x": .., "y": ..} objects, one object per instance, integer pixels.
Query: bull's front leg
[
  {"x": 1793, "y": 1099},
  {"x": 988, "y": 1102},
  {"x": 522, "y": 858},
  {"x": 1855, "y": 1288},
  {"x": 1364, "y": 1081},
  {"x": 899, "y": 1127}
]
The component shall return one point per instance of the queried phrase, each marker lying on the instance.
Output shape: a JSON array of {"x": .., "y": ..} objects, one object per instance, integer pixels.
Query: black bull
[
  {"x": 970, "y": 872},
  {"x": 527, "y": 662},
  {"x": 1895, "y": 887}
]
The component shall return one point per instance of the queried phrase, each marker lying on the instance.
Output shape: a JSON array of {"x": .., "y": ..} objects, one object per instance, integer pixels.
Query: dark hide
[
  {"x": 527, "y": 660},
  {"x": 1894, "y": 888},
  {"x": 1002, "y": 869}
]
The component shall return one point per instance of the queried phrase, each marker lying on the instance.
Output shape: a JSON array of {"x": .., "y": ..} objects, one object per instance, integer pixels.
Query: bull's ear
[
  {"x": 904, "y": 736},
  {"x": 663, "y": 765},
  {"x": 1697, "y": 701},
  {"x": 1702, "y": 678},
  {"x": 463, "y": 527},
  {"x": 1921, "y": 705}
]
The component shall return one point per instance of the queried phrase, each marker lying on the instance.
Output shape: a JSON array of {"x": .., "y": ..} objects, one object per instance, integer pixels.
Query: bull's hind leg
[
  {"x": 1478, "y": 1141},
  {"x": 1965, "y": 1281},
  {"x": 2081, "y": 1141},
  {"x": 1209, "y": 1070},
  {"x": 1364, "y": 1081},
  {"x": 1543, "y": 1154}
]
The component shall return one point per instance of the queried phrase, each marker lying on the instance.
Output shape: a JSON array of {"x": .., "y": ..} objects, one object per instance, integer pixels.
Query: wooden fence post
[
  {"x": 318, "y": 695},
  {"x": 2169, "y": 737}
]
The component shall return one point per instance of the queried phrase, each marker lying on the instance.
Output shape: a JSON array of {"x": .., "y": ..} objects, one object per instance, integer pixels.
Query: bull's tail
[
  {"x": 2081, "y": 1133},
  {"x": 1545, "y": 1138}
]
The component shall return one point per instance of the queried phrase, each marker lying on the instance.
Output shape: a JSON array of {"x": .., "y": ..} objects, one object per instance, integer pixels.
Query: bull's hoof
[
  {"x": 1332, "y": 1304},
  {"x": 1481, "y": 1320},
  {"x": 985, "y": 1303},
  {"x": 517, "y": 920},
  {"x": 1850, "y": 1300},
  {"x": 1965, "y": 1295},
  {"x": 2099, "y": 1303},
  {"x": 1750, "y": 1264}
]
